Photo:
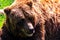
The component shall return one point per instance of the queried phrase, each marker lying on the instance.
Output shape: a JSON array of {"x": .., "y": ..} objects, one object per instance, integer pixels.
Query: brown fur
[{"x": 46, "y": 14}]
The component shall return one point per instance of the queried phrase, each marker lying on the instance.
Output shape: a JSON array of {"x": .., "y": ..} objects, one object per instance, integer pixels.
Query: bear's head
[{"x": 20, "y": 20}]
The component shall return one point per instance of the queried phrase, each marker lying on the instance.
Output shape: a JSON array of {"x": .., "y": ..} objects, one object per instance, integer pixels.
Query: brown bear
[{"x": 32, "y": 20}]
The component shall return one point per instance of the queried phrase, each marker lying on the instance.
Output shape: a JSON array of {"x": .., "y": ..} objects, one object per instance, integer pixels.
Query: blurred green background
[{"x": 4, "y": 3}]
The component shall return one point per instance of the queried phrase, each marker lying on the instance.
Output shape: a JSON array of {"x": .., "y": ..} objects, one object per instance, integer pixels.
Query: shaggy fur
[{"x": 46, "y": 14}]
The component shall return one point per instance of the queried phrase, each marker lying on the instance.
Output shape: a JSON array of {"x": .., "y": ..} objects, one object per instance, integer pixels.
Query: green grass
[
  {"x": 2, "y": 18},
  {"x": 4, "y": 3}
]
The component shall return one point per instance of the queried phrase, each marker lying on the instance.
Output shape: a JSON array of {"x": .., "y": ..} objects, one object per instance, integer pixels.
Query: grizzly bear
[{"x": 32, "y": 20}]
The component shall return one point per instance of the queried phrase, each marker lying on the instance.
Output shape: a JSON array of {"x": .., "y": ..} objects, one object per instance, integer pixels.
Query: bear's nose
[{"x": 30, "y": 28}]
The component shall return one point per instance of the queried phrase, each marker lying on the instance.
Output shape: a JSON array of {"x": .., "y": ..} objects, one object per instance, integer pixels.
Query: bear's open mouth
[{"x": 27, "y": 33}]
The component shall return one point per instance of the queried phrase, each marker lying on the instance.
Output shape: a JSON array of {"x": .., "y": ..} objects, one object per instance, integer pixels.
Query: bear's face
[{"x": 21, "y": 22}]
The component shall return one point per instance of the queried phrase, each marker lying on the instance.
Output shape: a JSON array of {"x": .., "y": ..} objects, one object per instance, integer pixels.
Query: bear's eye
[
  {"x": 21, "y": 22},
  {"x": 31, "y": 19}
]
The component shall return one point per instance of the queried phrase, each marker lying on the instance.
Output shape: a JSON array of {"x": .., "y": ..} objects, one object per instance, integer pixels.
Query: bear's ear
[
  {"x": 29, "y": 4},
  {"x": 7, "y": 10}
]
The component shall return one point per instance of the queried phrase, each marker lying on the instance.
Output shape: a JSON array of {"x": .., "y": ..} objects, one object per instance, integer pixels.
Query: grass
[
  {"x": 4, "y": 3},
  {"x": 2, "y": 18}
]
